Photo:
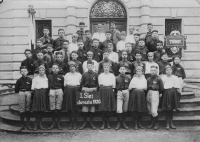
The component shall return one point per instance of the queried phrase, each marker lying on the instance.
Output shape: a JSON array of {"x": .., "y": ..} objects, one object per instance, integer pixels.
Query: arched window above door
[{"x": 108, "y": 9}]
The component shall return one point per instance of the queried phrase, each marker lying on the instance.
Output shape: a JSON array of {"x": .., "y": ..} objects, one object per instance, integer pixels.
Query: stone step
[
  {"x": 190, "y": 102},
  {"x": 187, "y": 95},
  {"x": 177, "y": 123}
]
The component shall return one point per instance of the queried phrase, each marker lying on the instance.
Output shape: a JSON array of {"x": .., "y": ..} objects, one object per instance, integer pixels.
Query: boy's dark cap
[
  {"x": 90, "y": 62},
  {"x": 81, "y": 23},
  {"x": 23, "y": 67},
  {"x": 154, "y": 31}
]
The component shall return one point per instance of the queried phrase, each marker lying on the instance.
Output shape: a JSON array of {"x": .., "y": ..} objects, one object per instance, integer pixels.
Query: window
[
  {"x": 172, "y": 24},
  {"x": 39, "y": 24}
]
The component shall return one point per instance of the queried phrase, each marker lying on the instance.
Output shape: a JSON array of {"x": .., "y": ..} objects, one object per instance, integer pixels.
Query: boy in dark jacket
[
  {"x": 23, "y": 87},
  {"x": 56, "y": 88}
]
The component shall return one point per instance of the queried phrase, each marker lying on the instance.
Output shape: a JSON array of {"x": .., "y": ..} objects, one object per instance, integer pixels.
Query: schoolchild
[
  {"x": 137, "y": 100},
  {"x": 81, "y": 32},
  {"x": 65, "y": 52},
  {"x": 122, "y": 42},
  {"x": 170, "y": 99},
  {"x": 104, "y": 45},
  {"x": 58, "y": 43},
  {"x": 40, "y": 98},
  {"x": 148, "y": 36},
  {"x": 23, "y": 87},
  {"x": 143, "y": 49},
  {"x": 107, "y": 83},
  {"x": 149, "y": 64},
  {"x": 163, "y": 63},
  {"x": 89, "y": 83},
  {"x": 88, "y": 42},
  {"x": 38, "y": 47},
  {"x": 97, "y": 53},
  {"x": 154, "y": 89},
  {"x": 95, "y": 67},
  {"x": 122, "y": 83},
  {"x": 130, "y": 52},
  {"x": 136, "y": 45},
  {"x": 46, "y": 39},
  {"x": 56, "y": 88},
  {"x": 49, "y": 56},
  {"x": 73, "y": 46},
  {"x": 59, "y": 61},
  {"x": 125, "y": 63},
  {"x": 28, "y": 62},
  {"x": 178, "y": 71},
  {"x": 106, "y": 60},
  {"x": 82, "y": 54},
  {"x": 79, "y": 66},
  {"x": 137, "y": 62},
  {"x": 72, "y": 82},
  {"x": 40, "y": 62},
  {"x": 158, "y": 52}
]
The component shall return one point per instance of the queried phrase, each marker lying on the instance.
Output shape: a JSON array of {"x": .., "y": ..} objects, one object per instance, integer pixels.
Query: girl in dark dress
[
  {"x": 170, "y": 100},
  {"x": 72, "y": 84},
  {"x": 107, "y": 84},
  {"x": 137, "y": 100}
]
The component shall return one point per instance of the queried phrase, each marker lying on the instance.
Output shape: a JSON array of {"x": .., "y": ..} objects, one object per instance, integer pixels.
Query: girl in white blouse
[
  {"x": 171, "y": 98},
  {"x": 72, "y": 84},
  {"x": 137, "y": 101},
  {"x": 40, "y": 97},
  {"x": 107, "y": 84}
]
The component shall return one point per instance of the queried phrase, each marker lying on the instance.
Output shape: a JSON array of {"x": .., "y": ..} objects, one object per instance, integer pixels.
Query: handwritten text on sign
[{"x": 91, "y": 98}]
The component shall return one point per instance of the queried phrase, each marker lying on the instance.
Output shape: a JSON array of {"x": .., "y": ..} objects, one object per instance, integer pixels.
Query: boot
[
  {"x": 139, "y": 121},
  {"x": 58, "y": 120},
  {"x": 167, "y": 120},
  {"x": 108, "y": 123},
  {"x": 171, "y": 125},
  {"x": 36, "y": 123},
  {"x": 91, "y": 121},
  {"x": 156, "y": 127},
  {"x": 53, "y": 121},
  {"x": 40, "y": 124},
  {"x": 28, "y": 121},
  {"x": 118, "y": 121},
  {"x": 135, "y": 124},
  {"x": 85, "y": 121},
  {"x": 70, "y": 123},
  {"x": 22, "y": 121},
  {"x": 103, "y": 121},
  {"x": 124, "y": 121},
  {"x": 152, "y": 123},
  {"x": 75, "y": 121}
]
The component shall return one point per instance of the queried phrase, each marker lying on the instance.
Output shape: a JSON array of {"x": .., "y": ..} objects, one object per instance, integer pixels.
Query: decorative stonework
[
  {"x": 31, "y": 10},
  {"x": 108, "y": 8}
]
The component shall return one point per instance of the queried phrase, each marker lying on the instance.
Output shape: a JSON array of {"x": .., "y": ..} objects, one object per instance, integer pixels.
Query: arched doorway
[{"x": 106, "y": 12}]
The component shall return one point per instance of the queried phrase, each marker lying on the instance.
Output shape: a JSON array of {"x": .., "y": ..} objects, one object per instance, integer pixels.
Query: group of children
[{"x": 130, "y": 80}]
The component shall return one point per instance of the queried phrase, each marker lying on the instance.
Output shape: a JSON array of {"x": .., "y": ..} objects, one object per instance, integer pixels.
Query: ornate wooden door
[{"x": 106, "y": 12}]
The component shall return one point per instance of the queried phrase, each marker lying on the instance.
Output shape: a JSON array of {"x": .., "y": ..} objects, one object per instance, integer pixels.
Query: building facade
[{"x": 15, "y": 25}]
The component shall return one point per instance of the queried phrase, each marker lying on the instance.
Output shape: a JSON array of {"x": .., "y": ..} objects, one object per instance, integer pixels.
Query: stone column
[
  {"x": 71, "y": 18},
  {"x": 144, "y": 16}
]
